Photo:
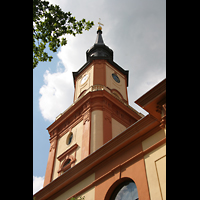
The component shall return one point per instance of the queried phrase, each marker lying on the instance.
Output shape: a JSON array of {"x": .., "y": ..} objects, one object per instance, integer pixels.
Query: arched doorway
[{"x": 123, "y": 189}]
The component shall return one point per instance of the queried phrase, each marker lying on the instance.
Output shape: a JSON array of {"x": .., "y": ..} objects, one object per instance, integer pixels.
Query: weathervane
[{"x": 100, "y": 24}]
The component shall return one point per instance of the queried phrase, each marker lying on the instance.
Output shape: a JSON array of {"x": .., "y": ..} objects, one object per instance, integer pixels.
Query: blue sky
[{"x": 136, "y": 32}]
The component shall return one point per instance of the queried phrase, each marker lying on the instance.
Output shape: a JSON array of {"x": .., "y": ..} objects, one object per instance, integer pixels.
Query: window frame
[
  {"x": 119, "y": 187},
  {"x": 68, "y": 154}
]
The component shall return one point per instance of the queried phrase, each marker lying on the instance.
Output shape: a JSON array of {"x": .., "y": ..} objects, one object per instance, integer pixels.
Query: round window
[{"x": 69, "y": 138}]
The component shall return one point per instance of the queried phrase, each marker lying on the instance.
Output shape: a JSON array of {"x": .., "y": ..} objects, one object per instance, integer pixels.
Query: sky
[{"x": 136, "y": 32}]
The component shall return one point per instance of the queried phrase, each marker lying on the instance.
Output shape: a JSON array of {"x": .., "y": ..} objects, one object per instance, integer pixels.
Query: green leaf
[
  {"x": 63, "y": 41},
  {"x": 49, "y": 23}
]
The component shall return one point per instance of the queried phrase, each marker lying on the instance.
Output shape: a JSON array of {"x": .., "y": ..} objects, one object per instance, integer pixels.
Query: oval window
[
  {"x": 69, "y": 138},
  {"x": 116, "y": 78}
]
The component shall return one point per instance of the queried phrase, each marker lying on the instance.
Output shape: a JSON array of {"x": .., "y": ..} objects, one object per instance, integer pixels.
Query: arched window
[
  {"x": 127, "y": 190},
  {"x": 66, "y": 165},
  {"x": 67, "y": 162}
]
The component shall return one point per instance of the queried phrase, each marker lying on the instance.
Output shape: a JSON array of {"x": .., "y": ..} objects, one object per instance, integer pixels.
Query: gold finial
[{"x": 99, "y": 27}]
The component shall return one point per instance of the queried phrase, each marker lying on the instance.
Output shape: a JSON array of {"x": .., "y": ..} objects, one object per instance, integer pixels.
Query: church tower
[{"x": 100, "y": 111}]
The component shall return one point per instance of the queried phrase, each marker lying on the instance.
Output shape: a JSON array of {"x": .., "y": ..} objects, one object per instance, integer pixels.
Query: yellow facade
[
  {"x": 117, "y": 128},
  {"x": 89, "y": 194},
  {"x": 111, "y": 143},
  {"x": 112, "y": 84},
  {"x": 62, "y": 146},
  {"x": 88, "y": 82},
  {"x": 96, "y": 130},
  {"x": 155, "y": 164}
]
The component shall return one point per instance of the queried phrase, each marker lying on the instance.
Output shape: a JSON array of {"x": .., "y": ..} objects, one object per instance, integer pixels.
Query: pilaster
[
  {"x": 50, "y": 162},
  {"x": 99, "y": 72},
  {"x": 107, "y": 121},
  {"x": 85, "y": 150}
]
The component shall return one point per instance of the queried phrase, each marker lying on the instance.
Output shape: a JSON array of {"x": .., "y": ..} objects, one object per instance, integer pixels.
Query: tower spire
[
  {"x": 99, "y": 39},
  {"x": 99, "y": 50}
]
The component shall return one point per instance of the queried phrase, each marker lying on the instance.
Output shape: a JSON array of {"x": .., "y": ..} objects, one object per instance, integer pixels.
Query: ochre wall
[
  {"x": 100, "y": 72},
  {"x": 96, "y": 130},
  {"x": 116, "y": 170},
  {"x": 62, "y": 146},
  {"x": 146, "y": 167},
  {"x": 155, "y": 164},
  {"x": 89, "y": 194},
  {"x": 117, "y": 128},
  {"x": 112, "y": 84},
  {"x": 89, "y": 82}
]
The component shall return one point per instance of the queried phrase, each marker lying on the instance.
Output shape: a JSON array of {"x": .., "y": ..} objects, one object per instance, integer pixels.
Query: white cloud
[
  {"x": 58, "y": 91},
  {"x": 37, "y": 183},
  {"x": 57, "y": 94},
  {"x": 136, "y": 33}
]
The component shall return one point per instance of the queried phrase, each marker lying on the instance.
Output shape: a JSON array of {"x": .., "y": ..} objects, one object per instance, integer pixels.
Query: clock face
[
  {"x": 84, "y": 79},
  {"x": 116, "y": 78}
]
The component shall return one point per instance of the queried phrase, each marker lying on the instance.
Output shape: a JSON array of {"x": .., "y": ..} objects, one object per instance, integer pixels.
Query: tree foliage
[{"x": 49, "y": 24}]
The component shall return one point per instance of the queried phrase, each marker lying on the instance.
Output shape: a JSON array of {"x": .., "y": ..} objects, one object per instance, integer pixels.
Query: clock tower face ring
[
  {"x": 84, "y": 79},
  {"x": 116, "y": 78}
]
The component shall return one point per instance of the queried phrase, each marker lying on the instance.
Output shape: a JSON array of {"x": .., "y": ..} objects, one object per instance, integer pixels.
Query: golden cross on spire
[{"x": 100, "y": 24}]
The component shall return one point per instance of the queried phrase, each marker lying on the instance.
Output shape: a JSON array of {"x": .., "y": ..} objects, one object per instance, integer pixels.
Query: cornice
[
  {"x": 68, "y": 113},
  {"x": 70, "y": 150},
  {"x": 95, "y": 100},
  {"x": 112, "y": 63},
  {"x": 132, "y": 133},
  {"x": 153, "y": 93}
]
